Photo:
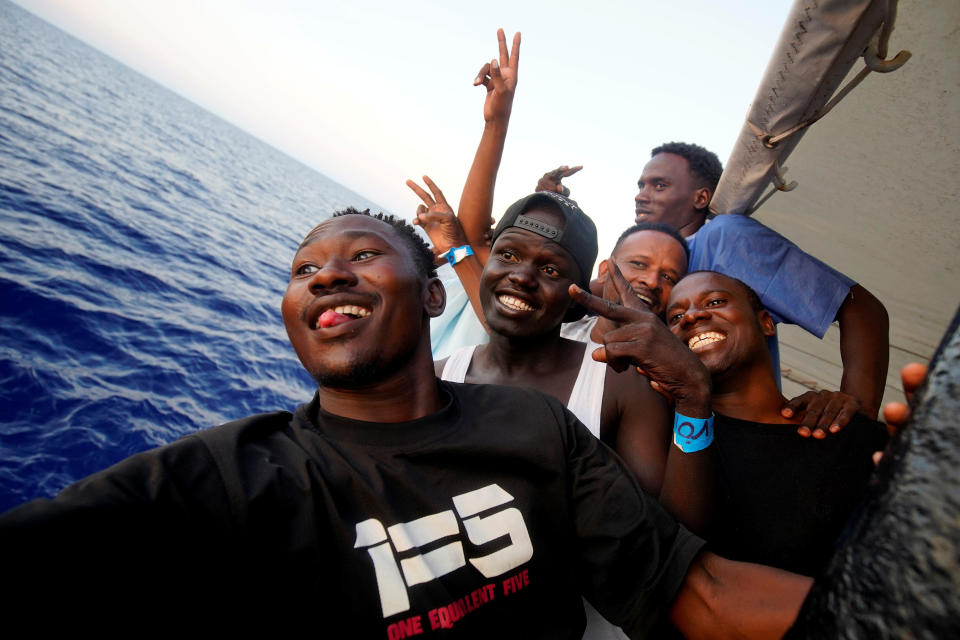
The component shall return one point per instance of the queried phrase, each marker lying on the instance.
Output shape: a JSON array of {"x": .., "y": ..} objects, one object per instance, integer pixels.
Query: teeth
[
  {"x": 645, "y": 299},
  {"x": 703, "y": 339},
  {"x": 352, "y": 310},
  {"x": 512, "y": 302}
]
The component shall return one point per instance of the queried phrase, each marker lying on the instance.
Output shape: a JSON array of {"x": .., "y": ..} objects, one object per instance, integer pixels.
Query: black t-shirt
[
  {"x": 486, "y": 519},
  {"x": 784, "y": 499}
]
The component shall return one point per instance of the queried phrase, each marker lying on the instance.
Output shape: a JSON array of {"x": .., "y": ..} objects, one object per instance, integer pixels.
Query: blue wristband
[
  {"x": 692, "y": 434},
  {"x": 457, "y": 254}
]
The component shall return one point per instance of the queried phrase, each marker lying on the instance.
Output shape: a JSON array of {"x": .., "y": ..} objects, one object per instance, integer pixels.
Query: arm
[
  {"x": 435, "y": 216},
  {"x": 725, "y": 599},
  {"x": 476, "y": 201},
  {"x": 643, "y": 341},
  {"x": 864, "y": 348}
]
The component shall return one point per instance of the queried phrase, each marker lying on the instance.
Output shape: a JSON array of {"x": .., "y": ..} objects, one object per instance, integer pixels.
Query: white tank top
[{"x": 586, "y": 399}]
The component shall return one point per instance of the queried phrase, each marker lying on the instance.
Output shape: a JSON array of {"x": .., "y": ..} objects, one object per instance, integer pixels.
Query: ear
[
  {"x": 701, "y": 198},
  {"x": 602, "y": 271},
  {"x": 435, "y": 297},
  {"x": 767, "y": 325}
]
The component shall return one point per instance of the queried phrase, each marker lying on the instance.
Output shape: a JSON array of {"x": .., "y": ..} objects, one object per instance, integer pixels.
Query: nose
[
  {"x": 693, "y": 315},
  {"x": 522, "y": 275},
  {"x": 333, "y": 274},
  {"x": 641, "y": 195},
  {"x": 649, "y": 278}
]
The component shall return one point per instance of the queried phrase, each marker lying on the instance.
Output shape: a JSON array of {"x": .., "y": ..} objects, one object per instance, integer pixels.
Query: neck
[
  {"x": 693, "y": 226},
  {"x": 749, "y": 394},
  {"x": 516, "y": 355},
  {"x": 408, "y": 394}
]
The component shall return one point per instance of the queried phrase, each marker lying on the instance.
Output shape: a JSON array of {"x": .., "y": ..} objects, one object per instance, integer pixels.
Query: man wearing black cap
[{"x": 543, "y": 244}]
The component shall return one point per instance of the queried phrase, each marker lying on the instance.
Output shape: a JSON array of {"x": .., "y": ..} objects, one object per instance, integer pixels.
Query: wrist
[
  {"x": 457, "y": 254},
  {"x": 695, "y": 407},
  {"x": 692, "y": 434}
]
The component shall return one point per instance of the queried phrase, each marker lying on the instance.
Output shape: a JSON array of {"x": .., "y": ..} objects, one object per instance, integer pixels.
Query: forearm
[
  {"x": 864, "y": 348},
  {"x": 469, "y": 270},
  {"x": 688, "y": 479},
  {"x": 476, "y": 201},
  {"x": 721, "y": 598}
]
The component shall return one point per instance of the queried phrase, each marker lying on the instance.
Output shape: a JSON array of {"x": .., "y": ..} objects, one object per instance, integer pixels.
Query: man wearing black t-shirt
[
  {"x": 782, "y": 500},
  {"x": 390, "y": 506}
]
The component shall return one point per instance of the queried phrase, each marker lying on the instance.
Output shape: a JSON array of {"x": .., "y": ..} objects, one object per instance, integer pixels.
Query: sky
[{"x": 371, "y": 93}]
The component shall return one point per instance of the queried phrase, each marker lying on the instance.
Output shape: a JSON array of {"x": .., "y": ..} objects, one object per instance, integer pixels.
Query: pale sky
[{"x": 371, "y": 93}]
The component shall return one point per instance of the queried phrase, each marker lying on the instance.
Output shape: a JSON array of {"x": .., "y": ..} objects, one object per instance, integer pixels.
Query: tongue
[{"x": 331, "y": 318}]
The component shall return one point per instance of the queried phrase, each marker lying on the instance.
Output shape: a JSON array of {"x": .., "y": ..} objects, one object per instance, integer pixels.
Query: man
[
  {"x": 652, "y": 256},
  {"x": 782, "y": 500},
  {"x": 675, "y": 188},
  {"x": 389, "y": 506}
]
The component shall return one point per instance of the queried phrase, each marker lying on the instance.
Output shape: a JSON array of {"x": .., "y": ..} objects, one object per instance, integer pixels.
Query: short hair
[
  {"x": 752, "y": 296},
  {"x": 704, "y": 164},
  {"x": 654, "y": 226},
  {"x": 420, "y": 251}
]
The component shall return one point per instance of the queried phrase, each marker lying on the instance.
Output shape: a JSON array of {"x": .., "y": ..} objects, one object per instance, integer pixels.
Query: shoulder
[
  {"x": 631, "y": 390},
  {"x": 247, "y": 429},
  {"x": 744, "y": 227}
]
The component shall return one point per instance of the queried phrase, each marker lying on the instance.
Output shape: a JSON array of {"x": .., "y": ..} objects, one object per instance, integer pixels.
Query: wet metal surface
[{"x": 896, "y": 572}]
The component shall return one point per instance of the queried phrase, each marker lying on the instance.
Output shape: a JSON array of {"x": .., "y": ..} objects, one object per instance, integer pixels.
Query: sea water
[{"x": 145, "y": 249}]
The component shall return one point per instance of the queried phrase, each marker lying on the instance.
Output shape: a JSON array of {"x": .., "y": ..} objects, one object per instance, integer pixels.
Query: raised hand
[
  {"x": 823, "y": 412},
  {"x": 641, "y": 339},
  {"x": 437, "y": 218},
  {"x": 500, "y": 79},
  {"x": 550, "y": 181}
]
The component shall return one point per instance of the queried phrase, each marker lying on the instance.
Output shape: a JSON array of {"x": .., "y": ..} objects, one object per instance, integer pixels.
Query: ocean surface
[{"x": 145, "y": 249}]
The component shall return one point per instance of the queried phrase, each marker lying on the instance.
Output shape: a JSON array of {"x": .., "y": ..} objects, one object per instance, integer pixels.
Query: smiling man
[
  {"x": 391, "y": 505},
  {"x": 652, "y": 256},
  {"x": 543, "y": 244},
  {"x": 782, "y": 500}
]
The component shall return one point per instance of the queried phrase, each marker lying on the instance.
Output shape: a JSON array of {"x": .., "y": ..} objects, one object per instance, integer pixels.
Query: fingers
[
  {"x": 483, "y": 76},
  {"x": 417, "y": 189},
  {"x": 569, "y": 171},
  {"x": 913, "y": 376},
  {"x": 794, "y": 406},
  {"x": 623, "y": 288},
  {"x": 515, "y": 52},
  {"x": 437, "y": 194},
  {"x": 502, "y": 44},
  {"x": 600, "y": 306},
  {"x": 823, "y": 412},
  {"x": 896, "y": 414}
]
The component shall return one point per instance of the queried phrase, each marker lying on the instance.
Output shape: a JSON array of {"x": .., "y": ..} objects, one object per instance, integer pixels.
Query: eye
[
  {"x": 668, "y": 278},
  {"x": 716, "y": 302},
  {"x": 552, "y": 271},
  {"x": 640, "y": 266},
  {"x": 306, "y": 269},
  {"x": 660, "y": 186},
  {"x": 366, "y": 254},
  {"x": 508, "y": 255},
  {"x": 674, "y": 318}
]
